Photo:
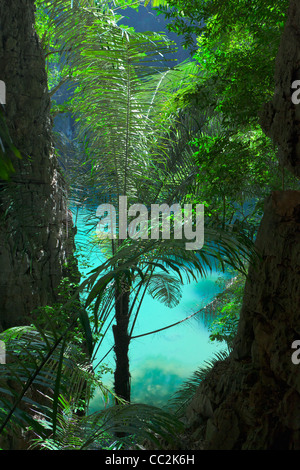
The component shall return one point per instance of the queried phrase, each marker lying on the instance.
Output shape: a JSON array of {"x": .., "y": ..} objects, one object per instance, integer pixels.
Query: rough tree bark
[
  {"x": 122, "y": 340},
  {"x": 36, "y": 232},
  {"x": 252, "y": 399},
  {"x": 36, "y": 237}
]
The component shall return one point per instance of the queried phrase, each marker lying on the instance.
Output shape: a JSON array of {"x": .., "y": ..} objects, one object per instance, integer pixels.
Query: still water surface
[{"x": 159, "y": 362}]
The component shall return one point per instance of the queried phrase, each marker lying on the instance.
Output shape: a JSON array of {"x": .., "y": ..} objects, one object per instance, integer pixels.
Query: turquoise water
[{"x": 159, "y": 362}]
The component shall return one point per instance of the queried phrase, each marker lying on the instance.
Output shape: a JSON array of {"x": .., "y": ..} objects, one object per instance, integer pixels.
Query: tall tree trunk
[
  {"x": 36, "y": 237},
  {"x": 36, "y": 234},
  {"x": 252, "y": 399},
  {"x": 121, "y": 338}
]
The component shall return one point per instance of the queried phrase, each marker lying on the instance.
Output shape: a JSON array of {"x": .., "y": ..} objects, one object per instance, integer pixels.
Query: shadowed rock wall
[
  {"x": 252, "y": 399},
  {"x": 36, "y": 235}
]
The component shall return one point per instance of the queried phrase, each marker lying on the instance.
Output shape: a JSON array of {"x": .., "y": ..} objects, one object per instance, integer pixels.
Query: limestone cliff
[
  {"x": 36, "y": 236},
  {"x": 252, "y": 399}
]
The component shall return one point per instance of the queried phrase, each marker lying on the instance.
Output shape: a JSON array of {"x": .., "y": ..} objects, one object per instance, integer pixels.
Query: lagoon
[{"x": 159, "y": 362}]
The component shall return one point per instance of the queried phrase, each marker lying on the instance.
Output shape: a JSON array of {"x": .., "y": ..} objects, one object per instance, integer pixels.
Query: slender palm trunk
[{"x": 122, "y": 340}]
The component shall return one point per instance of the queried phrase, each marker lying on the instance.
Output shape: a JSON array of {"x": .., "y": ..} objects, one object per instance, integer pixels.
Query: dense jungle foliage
[{"x": 156, "y": 134}]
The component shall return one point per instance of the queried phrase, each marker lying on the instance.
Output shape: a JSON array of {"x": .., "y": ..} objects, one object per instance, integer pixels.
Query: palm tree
[{"x": 121, "y": 99}]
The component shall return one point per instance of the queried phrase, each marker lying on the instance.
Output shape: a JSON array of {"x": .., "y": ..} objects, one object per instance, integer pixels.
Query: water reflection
[{"x": 160, "y": 362}]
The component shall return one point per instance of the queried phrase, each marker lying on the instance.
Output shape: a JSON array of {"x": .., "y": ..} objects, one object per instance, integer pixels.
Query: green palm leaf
[
  {"x": 185, "y": 393},
  {"x": 165, "y": 288},
  {"x": 136, "y": 147}
]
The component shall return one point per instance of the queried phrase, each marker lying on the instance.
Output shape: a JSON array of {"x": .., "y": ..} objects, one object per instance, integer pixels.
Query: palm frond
[
  {"x": 34, "y": 361},
  {"x": 166, "y": 288},
  {"x": 111, "y": 64},
  {"x": 102, "y": 430},
  {"x": 43, "y": 382},
  {"x": 185, "y": 393}
]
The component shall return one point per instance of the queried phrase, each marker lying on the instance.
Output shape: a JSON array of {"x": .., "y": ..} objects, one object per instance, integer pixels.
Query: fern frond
[{"x": 185, "y": 393}]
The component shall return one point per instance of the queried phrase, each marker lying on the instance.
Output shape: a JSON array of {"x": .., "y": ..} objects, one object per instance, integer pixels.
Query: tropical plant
[
  {"x": 115, "y": 428},
  {"x": 46, "y": 384},
  {"x": 238, "y": 166},
  {"x": 129, "y": 137},
  {"x": 227, "y": 308},
  {"x": 7, "y": 149},
  {"x": 181, "y": 399},
  {"x": 138, "y": 143}
]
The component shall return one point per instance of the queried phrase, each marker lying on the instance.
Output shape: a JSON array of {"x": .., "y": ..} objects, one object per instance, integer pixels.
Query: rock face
[
  {"x": 252, "y": 399},
  {"x": 280, "y": 118},
  {"x": 36, "y": 235}
]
